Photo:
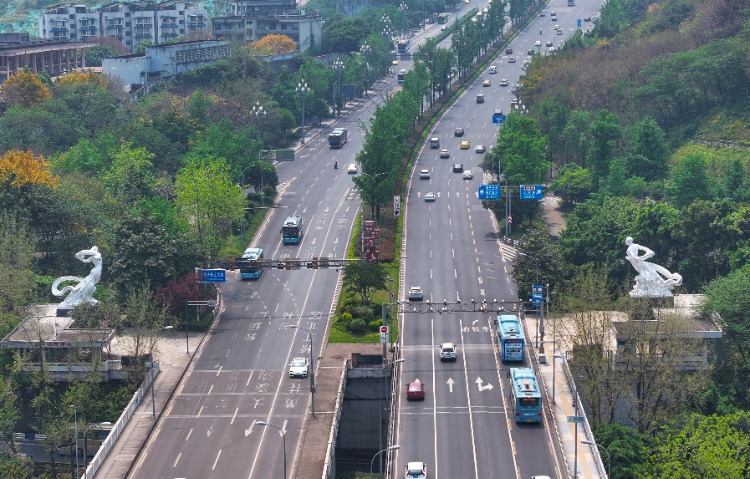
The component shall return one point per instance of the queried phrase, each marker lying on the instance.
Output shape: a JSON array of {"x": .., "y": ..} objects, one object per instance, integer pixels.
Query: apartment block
[{"x": 130, "y": 22}]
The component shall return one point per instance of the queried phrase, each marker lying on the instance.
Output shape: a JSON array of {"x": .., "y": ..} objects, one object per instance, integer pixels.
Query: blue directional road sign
[
  {"x": 531, "y": 192},
  {"x": 489, "y": 192},
  {"x": 578, "y": 22},
  {"x": 213, "y": 275},
  {"x": 498, "y": 117},
  {"x": 537, "y": 294}
]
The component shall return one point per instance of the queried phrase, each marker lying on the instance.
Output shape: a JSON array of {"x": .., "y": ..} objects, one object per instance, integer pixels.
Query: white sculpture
[
  {"x": 653, "y": 281},
  {"x": 83, "y": 292}
]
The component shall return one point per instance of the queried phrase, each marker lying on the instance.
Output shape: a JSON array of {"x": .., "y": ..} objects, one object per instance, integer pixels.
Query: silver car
[
  {"x": 415, "y": 293},
  {"x": 298, "y": 368}
]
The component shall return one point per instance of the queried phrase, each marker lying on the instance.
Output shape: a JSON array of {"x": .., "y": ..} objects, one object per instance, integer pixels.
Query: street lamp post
[
  {"x": 302, "y": 89},
  {"x": 75, "y": 431},
  {"x": 609, "y": 458},
  {"x": 283, "y": 436},
  {"x": 365, "y": 49},
  {"x": 540, "y": 311},
  {"x": 390, "y": 366},
  {"x": 86, "y": 447},
  {"x": 403, "y": 8},
  {"x": 312, "y": 368},
  {"x": 338, "y": 66},
  {"x": 389, "y": 448}
]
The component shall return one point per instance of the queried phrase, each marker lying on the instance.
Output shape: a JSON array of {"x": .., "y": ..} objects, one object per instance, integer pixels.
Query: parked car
[
  {"x": 480, "y": 98},
  {"x": 512, "y": 60},
  {"x": 504, "y": 82},
  {"x": 448, "y": 352},
  {"x": 429, "y": 196},
  {"x": 458, "y": 132},
  {"x": 352, "y": 169},
  {"x": 487, "y": 83},
  {"x": 465, "y": 145},
  {"x": 508, "y": 51},
  {"x": 416, "y": 470},
  {"x": 480, "y": 149},
  {"x": 458, "y": 168},
  {"x": 468, "y": 175},
  {"x": 424, "y": 174}
]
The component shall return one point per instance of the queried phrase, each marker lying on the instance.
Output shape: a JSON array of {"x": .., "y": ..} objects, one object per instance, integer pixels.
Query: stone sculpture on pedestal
[
  {"x": 83, "y": 291},
  {"x": 653, "y": 281}
]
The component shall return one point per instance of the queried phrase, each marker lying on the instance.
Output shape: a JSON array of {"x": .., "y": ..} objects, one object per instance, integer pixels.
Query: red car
[
  {"x": 508, "y": 51},
  {"x": 415, "y": 390}
]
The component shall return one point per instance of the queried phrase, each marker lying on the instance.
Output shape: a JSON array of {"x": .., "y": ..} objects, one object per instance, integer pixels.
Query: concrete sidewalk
[{"x": 559, "y": 397}]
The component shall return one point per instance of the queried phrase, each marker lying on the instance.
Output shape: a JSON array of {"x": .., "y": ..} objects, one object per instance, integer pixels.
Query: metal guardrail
[
  {"x": 119, "y": 426},
  {"x": 330, "y": 458},
  {"x": 586, "y": 428}
]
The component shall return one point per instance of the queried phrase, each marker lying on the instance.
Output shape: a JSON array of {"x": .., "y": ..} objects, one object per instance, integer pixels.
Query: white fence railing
[{"x": 119, "y": 426}]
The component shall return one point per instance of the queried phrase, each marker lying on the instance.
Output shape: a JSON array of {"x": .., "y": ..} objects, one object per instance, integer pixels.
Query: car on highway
[
  {"x": 487, "y": 83},
  {"x": 352, "y": 169},
  {"x": 553, "y": 17},
  {"x": 532, "y": 52},
  {"x": 465, "y": 145},
  {"x": 559, "y": 32},
  {"x": 551, "y": 49},
  {"x": 504, "y": 82},
  {"x": 458, "y": 167},
  {"x": 480, "y": 98},
  {"x": 447, "y": 352},
  {"x": 444, "y": 28},
  {"x": 549, "y": 43},
  {"x": 444, "y": 153},
  {"x": 542, "y": 14},
  {"x": 586, "y": 19},
  {"x": 468, "y": 175},
  {"x": 298, "y": 368},
  {"x": 480, "y": 149},
  {"x": 512, "y": 60},
  {"x": 416, "y": 470},
  {"x": 538, "y": 43},
  {"x": 415, "y": 390},
  {"x": 492, "y": 70},
  {"x": 508, "y": 51},
  {"x": 429, "y": 196},
  {"x": 458, "y": 132},
  {"x": 424, "y": 174},
  {"x": 415, "y": 293}
]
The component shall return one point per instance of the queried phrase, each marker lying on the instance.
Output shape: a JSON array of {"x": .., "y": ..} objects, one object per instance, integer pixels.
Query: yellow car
[
  {"x": 486, "y": 83},
  {"x": 465, "y": 145}
]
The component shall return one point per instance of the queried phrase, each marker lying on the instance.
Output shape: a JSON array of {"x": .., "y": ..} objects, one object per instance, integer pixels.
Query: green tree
[
  {"x": 648, "y": 150},
  {"x": 17, "y": 247},
  {"x": 131, "y": 177},
  {"x": 540, "y": 262},
  {"x": 88, "y": 156},
  {"x": 365, "y": 278},
  {"x": 628, "y": 448},
  {"x": 209, "y": 202},
  {"x": 604, "y": 131},
  {"x": 704, "y": 446},
  {"x": 9, "y": 411},
  {"x": 573, "y": 184}
]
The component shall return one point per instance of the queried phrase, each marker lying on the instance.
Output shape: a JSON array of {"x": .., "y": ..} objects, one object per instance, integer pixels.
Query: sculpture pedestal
[
  {"x": 643, "y": 307},
  {"x": 65, "y": 311}
]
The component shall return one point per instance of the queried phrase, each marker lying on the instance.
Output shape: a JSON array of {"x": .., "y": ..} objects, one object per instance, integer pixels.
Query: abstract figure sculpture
[
  {"x": 653, "y": 281},
  {"x": 83, "y": 291}
]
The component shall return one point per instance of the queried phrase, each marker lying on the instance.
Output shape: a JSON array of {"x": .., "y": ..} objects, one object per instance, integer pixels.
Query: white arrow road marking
[
  {"x": 249, "y": 430},
  {"x": 209, "y": 430},
  {"x": 450, "y": 384},
  {"x": 479, "y": 382},
  {"x": 283, "y": 427}
]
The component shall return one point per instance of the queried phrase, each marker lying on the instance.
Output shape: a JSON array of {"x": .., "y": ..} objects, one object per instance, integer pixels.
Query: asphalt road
[
  {"x": 464, "y": 428},
  {"x": 210, "y": 428}
]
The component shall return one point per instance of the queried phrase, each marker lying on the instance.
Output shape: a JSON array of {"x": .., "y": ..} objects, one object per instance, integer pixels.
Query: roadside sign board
[
  {"x": 498, "y": 118},
  {"x": 213, "y": 276},
  {"x": 578, "y": 23},
  {"x": 375, "y": 233},
  {"x": 537, "y": 294},
  {"x": 396, "y": 205},
  {"x": 371, "y": 256},
  {"x": 384, "y": 334},
  {"x": 489, "y": 192},
  {"x": 576, "y": 419},
  {"x": 531, "y": 192}
]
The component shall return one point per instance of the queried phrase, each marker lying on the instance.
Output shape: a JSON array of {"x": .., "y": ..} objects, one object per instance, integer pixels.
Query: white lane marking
[
  {"x": 234, "y": 416},
  {"x": 217, "y": 460},
  {"x": 188, "y": 434},
  {"x": 468, "y": 399},
  {"x": 450, "y": 383},
  {"x": 177, "y": 460},
  {"x": 434, "y": 398}
]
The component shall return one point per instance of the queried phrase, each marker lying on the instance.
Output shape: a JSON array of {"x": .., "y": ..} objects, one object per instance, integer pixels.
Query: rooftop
[{"x": 43, "y": 326}]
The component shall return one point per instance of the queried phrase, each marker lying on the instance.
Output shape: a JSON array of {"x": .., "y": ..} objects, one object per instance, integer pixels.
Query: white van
[
  {"x": 493, "y": 70},
  {"x": 352, "y": 170}
]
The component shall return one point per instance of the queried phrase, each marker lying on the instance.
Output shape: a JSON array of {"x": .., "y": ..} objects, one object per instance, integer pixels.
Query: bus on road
[
  {"x": 338, "y": 138},
  {"x": 251, "y": 272},
  {"x": 442, "y": 17},
  {"x": 403, "y": 45},
  {"x": 510, "y": 337},
  {"x": 292, "y": 232},
  {"x": 525, "y": 395},
  {"x": 401, "y": 75}
]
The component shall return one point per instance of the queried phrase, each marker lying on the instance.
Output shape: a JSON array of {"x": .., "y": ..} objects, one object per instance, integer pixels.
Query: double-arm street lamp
[
  {"x": 403, "y": 8},
  {"x": 283, "y": 436},
  {"x": 389, "y": 448},
  {"x": 338, "y": 66},
  {"x": 75, "y": 431},
  {"x": 366, "y": 49},
  {"x": 303, "y": 90},
  {"x": 540, "y": 305},
  {"x": 312, "y": 367}
]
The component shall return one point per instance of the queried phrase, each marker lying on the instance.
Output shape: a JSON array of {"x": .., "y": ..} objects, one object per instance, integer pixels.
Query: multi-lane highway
[
  {"x": 210, "y": 427},
  {"x": 465, "y": 427}
]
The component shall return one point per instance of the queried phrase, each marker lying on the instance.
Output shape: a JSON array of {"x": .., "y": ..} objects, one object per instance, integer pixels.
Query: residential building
[
  {"x": 130, "y": 22},
  {"x": 164, "y": 61},
  {"x": 251, "y": 20},
  {"x": 54, "y": 56}
]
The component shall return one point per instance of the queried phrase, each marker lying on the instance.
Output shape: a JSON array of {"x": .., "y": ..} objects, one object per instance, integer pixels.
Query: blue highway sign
[
  {"x": 489, "y": 192},
  {"x": 537, "y": 294},
  {"x": 531, "y": 192},
  {"x": 213, "y": 275}
]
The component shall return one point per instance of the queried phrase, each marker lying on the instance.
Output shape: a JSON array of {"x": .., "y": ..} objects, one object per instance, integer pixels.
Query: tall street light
[
  {"x": 86, "y": 447},
  {"x": 390, "y": 448},
  {"x": 609, "y": 458},
  {"x": 540, "y": 310},
  {"x": 338, "y": 66},
  {"x": 303, "y": 89},
  {"x": 75, "y": 431},
  {"x": 403, "y": 8},
  {"x": 312, "y": 367},
  {"x": 283, "y": 436},
  {"x": 366, "y": 49},
  {"x": 389, "y": 366}
]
